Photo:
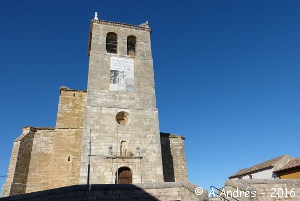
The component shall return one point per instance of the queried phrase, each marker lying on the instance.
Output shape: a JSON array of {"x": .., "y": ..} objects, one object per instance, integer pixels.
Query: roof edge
[
  {"x": 170, "y": 135},
  {"x": 140, "y": 27},
  {"x": 64, "y": 88}
]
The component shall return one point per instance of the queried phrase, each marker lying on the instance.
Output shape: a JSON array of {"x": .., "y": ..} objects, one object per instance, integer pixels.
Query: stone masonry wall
[
  {"x": 118, "y": 192},
  {"x": 70, "y": 108},
  {"x": 266, "y": 189},
  {"x": 51, "y": 156},
  {"x": 40, "y": 163},
  {"x": 67, "y": 141},
  {"x": 56, "y": 152},
  {"x": 140, "y": 134},
  {"x": 173, "y": 154},
  {"x": 55, "y": 159},
  {"x": 65, "y": 161},
  {"x": 141, "y": 130},
  {"x": 19, "y": 164}
]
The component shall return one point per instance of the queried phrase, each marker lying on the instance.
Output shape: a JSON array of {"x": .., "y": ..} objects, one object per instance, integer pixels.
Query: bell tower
[{"x": 121, "y": 138}]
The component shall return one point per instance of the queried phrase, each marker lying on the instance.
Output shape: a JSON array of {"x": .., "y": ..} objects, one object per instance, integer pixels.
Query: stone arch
[
  {"x": 111, "y": 43},
  {"x": 124, "y": 175},
  {"x": 131, "y": 45}
]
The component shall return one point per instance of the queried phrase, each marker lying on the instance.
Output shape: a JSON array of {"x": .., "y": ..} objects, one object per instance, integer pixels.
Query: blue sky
[{"x": 226, "y": 73}]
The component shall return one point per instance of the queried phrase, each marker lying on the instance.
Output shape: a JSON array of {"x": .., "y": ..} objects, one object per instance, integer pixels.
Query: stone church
[{"x": 107, "y": 134}]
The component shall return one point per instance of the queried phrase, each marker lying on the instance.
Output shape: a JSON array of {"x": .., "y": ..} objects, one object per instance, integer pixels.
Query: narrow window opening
[
  {"x": 131, "y": 44},
  {"x": 110, "y": 150},
  {"x": 111, "y": 43},
  {"x": 138, "y": 152},
  {"x": 73, "y": 94},
  {"x": 68, "y": 158}
]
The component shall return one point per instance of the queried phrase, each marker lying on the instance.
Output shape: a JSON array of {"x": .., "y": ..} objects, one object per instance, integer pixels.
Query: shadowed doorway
[{"x": 125, "y": 175}]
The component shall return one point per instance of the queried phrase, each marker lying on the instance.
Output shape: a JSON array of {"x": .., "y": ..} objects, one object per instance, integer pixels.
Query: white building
[{"x": 264, "y": 170}]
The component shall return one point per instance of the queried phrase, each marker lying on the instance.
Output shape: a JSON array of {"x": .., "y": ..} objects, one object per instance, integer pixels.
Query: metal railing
[{"x": 222, "y": 197}]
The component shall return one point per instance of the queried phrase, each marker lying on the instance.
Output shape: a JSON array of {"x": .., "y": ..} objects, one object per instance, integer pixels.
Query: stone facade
[
  {"x": 70, "y": 108},
  {"x": 174, "y": 163},
  {"x": 113, "y": 129},
  {"x": 142, "y": 130},
  {"x": 40, "y": 160},
  {"x": 17, "y": 174}
]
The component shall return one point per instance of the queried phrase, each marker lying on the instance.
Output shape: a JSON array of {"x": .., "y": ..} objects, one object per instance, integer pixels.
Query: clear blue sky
[{"x": 227, "y": 73}]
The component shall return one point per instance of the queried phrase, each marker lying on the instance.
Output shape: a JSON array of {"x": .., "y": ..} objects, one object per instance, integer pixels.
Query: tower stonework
[
  {"x": 121, "y": 85},
  {"x": 107, "y": 134}
]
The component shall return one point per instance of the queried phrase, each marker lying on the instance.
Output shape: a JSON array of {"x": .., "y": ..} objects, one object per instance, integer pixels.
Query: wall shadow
[
  {"x": 85, "y": 192},
  {"x": 167, "y": 158}
]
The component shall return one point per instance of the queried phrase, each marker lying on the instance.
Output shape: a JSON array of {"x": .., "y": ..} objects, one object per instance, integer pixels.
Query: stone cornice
[
  {"x": 122, "y": 25},
  {"x": 170, "y": 135},
  {"x": 64, "y": 88}
]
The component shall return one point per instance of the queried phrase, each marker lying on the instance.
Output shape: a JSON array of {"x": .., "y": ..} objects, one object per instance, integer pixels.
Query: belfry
[{"x": 120, "y": 108}]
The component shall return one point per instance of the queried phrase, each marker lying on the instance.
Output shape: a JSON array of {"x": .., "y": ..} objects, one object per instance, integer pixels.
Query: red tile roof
[
  {"x": 292, "y": 164},
  {"x": 261, "y": 166}
]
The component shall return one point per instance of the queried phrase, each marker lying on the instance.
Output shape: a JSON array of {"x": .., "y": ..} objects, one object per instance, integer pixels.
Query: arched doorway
[{"x": 124, "y": 175}]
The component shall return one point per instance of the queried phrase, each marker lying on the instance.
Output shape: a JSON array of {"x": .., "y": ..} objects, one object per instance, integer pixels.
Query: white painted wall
[{"x": 264, "y": 174}]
